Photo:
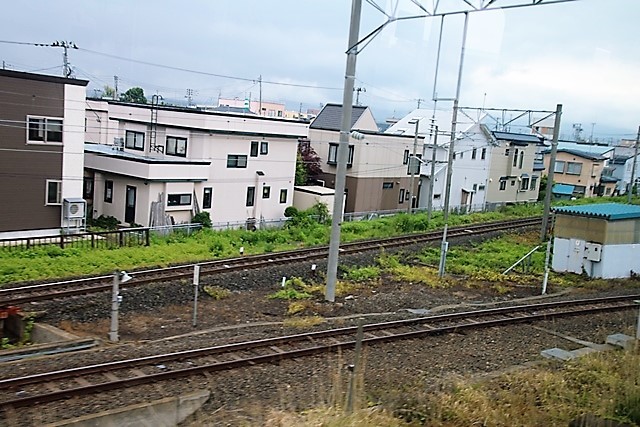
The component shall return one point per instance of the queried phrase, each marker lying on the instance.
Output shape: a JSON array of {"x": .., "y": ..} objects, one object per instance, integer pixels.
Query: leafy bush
[
  {"x": 294, "y": 288},
  {"x": 105, "y": 222},
  {"x": 202, "y": 218}
]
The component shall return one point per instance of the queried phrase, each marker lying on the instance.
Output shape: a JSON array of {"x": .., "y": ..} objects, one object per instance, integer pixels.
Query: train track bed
[{"x": 437, "y": 356}]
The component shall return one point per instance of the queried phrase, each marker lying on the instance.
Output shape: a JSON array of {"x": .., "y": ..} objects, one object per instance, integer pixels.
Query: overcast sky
[{"x": 584, "y": 54}]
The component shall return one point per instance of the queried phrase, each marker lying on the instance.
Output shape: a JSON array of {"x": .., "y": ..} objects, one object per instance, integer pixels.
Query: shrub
[
  {"x": 105, "y": 222},
  {"x": 202, "y": 218}
]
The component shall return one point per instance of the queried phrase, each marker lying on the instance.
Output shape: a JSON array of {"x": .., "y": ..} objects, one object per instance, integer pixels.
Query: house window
[
  {"x": 515, "y": 158},
  {"x": 534, "y": 182},
  {"x": 44, "y": 130},
  {"x": 473, "y": 154},
  {"x": 387, "y": 185},
  {"x": 251, "y": 196},
  {"x": 401, "y": 196},
  {"x": 179, "y": 199},
  {"x": 266, "y": 192},
  {"x": 207, "y": 197},
  {"x": 513, "y": 182},
  {"x": 503, "y": 184},
  {"x": 134, "y": 140},
  {"x": 414, "y": 164},
  {"x": 405, "y": 158},
  {"x": 437, "y": 196},
  {"x": 481, "y": 188},
  {"x": 483, "y": 154},
  {"x": 521, "y": 160},
  {"x": 524, "y": 184},
  {"x": 254, "y": 148},
  {"x": 506, "y": 152},
  {"x": 332, "y": 159},
  {"x": 559, "y": 167},
  {"x": 462, "y": 155},
  {"x": 87, "y": 188},
  {"x": 54, "y": 192},
  {"x": 176, "y": 146},
  {"x": 607, "y": 191},
  {"x": 108, "y": 191},
  {"x": 237, "y": 161},
  {"x": 454, "y": 155},
  {"x": 264, "y": 147},
  {"x": 574, "y": 168},
  {"x": 475, "y": 187},
  {"x": 283, "y": 195}
]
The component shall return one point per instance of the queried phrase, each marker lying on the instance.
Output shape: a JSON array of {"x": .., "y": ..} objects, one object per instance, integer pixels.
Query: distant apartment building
[
  {"x": 41, "y": 138},
  {"x": 261, "y": 108},
  {"x": 157, "y": 165}
]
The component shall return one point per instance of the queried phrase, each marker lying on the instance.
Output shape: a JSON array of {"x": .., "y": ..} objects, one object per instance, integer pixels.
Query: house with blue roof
[{"x": 601, "y": 240}]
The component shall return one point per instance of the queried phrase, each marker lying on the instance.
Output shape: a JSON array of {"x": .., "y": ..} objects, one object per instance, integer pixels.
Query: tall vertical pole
[
  {"x": 65, "y": 61},
  {"x": 454, "y": 119},
  {"x": 343, "y": 149},
  {"x": 115, "y": 303},
  {"x": 433, "y": 173},
  {"x": 260, "y": 98},
  {"x": 633, "y": 170},
  {"x": 552, "y": 166},
  {"x": 115, "y": 82},
  {"x": 196, "y": 283},
  {"x": 413, "y": 162}
]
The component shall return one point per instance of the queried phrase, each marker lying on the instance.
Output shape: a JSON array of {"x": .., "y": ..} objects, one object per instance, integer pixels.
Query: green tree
[
  {"x": 135, "y": 94},
  {"x": 108, "y": 92},
  {"x": 301, "y": 172}
]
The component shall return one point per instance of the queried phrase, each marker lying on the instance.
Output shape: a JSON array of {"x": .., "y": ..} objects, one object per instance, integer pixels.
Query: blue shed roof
[
  {"x": 564, "y": 189},
  {"x": 608, "y": 211}
]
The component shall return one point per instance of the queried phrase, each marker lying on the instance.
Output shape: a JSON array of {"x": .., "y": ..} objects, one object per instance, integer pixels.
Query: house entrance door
[{"x": 130, "y": 205}]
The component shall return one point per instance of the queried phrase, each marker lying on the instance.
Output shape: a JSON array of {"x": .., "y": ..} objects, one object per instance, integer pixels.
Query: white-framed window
[
  {"x": 473, "y": 153},
  {"x": 179, "y": 199},
  {"x": 559, "y": 167},
  {"x": 176, "y": 146},
  {"x": 53, "y": 195},
  {"x": 134, "y": 140},
  {"x": 401, "y": 196},
  {"x": 266, "y": 192},
  {"x": 264, "y": 147},
  {"x": 574, "y": 168},
  {"x": 534, "y": 182},
  {"x": 483, "y": 154},
  {"x": 44, "y": 130},
  {"x": 254, "y": 148},
  {"x": 207, "y": 198},
  {"x": 503, "y": 184},
  {"x": 237, "y": 161},
  {"x": 283, "y": 195},
  {"x": 524, "y": 184},
  {"x": 387, "y": 185},
  {"x": 405, "y": 157}
]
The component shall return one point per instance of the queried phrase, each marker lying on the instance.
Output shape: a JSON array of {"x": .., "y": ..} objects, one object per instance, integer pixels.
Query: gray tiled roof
[
  {"x": 330, "y": 118},
  {"x": 517, "y": 137}
]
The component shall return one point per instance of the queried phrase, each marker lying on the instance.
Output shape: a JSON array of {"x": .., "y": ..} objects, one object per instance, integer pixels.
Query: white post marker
[
  {"x": 115, "y": 303},
  {"x": 196, "y": 283},
  {"x": 546, "y": 268},
  {"x": 241, "y": 250},
  {"x": 284, "y": 279}
]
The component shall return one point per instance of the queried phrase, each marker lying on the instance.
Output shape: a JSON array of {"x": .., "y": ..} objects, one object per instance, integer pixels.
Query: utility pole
[
  {"x": 358, "y": 90},
  {"x": 433, "y": 172},
  {"x": 260, "y": 98},
  {"x": 454, "y": 119},
  {"x": 66, "y": 69},
  {"x": 343, "y": 149},
  {"x": 189, "y": 97},
  {"x": 413, "y": 163},
  {"x": 552, "y": 167},
  {"x": 419, "y": 102},
  {"x": 633, "y": 170},
  {"x": 115, "y": 83}
]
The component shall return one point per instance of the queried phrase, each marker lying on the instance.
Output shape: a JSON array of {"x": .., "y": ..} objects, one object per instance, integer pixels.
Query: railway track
[
  {"x": 20, "y": 295},
  {"x": 53, "y": 386}
]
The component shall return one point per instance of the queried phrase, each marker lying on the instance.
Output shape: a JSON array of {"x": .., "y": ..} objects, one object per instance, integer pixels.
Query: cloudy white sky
[{"x": 583, "y": 54}]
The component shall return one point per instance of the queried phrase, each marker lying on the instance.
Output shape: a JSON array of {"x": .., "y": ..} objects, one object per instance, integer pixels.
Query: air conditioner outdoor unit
[
  {"x": 74, "y": 208},
  {"x": 118, "y": 144}
]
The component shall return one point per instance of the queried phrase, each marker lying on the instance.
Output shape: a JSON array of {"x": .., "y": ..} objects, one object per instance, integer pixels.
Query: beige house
[
  {"x": 582, "y": 171},
  {"x": 155, "y": 165},
  {"x": 378, "y": 176}
]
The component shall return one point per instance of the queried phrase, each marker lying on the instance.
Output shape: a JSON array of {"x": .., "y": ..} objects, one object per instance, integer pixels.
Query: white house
[{"x": 151, "y": 165}]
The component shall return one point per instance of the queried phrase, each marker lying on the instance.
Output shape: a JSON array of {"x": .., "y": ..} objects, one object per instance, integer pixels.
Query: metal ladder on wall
[{"x": 153, "y": 130}]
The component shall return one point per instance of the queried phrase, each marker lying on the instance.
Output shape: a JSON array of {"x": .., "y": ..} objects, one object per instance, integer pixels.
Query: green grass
[{"x": 51, "y": 262}]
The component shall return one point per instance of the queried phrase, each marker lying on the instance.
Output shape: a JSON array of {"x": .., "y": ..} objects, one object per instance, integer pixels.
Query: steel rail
[
  {"x": 50, "y": 291},
  {"x": 461, "y": 321}
]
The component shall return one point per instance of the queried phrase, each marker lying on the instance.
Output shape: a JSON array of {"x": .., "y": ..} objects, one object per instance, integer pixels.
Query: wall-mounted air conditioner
[
  {"x": 74, "y": 208},
  {"x": 118, "y": 144}
]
